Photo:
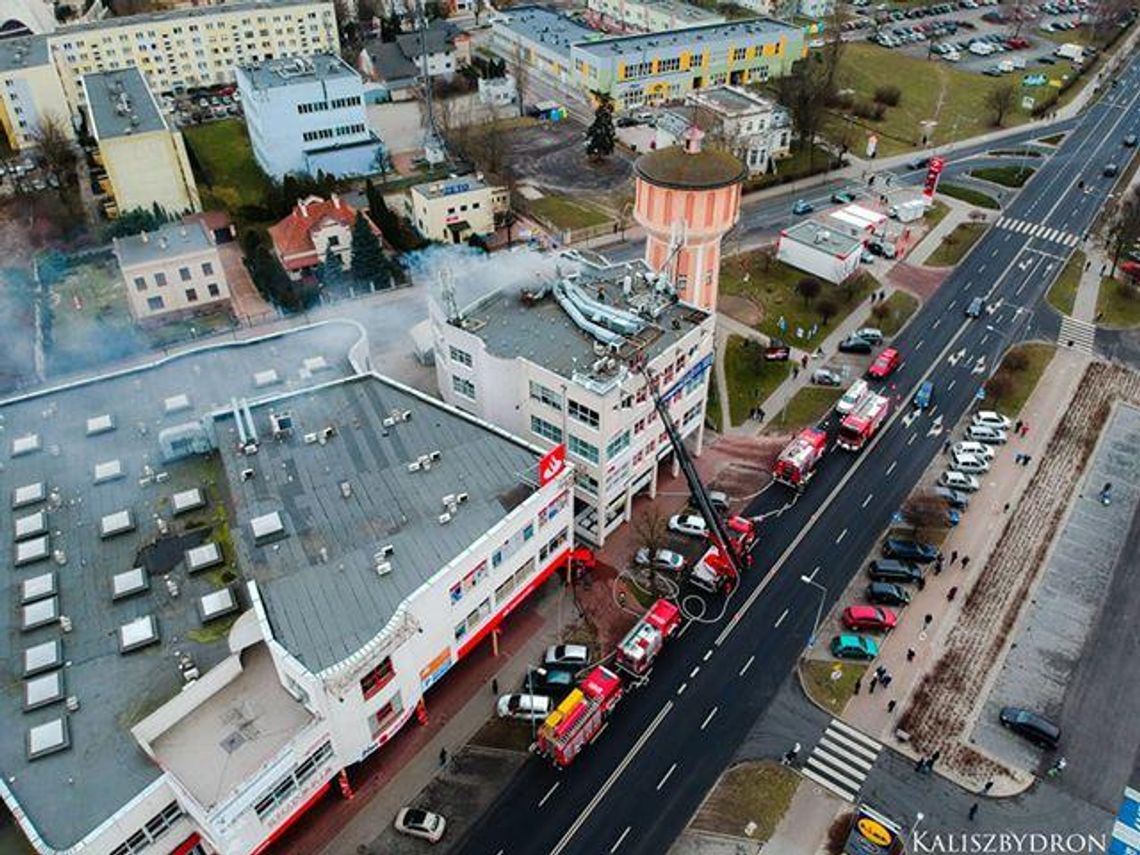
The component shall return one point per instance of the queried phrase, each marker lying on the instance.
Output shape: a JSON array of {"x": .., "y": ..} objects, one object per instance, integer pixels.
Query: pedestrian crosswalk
[
  {"x": 1037, "y": 230},
  {"x": 841, "y": 760},
  {"x": 1077, "y": 334}
]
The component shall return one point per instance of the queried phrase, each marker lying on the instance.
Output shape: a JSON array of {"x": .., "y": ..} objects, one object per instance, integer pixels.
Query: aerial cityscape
[{"x": 570, "y": 427}]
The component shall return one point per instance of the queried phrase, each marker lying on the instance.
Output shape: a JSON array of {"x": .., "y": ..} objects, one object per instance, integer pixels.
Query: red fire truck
[
  {"x": 861, "y": 423},
  {"x": 796, "y": 464},
  {"x": 579, "y": 718},
  {"x": 642, "y": 643}
]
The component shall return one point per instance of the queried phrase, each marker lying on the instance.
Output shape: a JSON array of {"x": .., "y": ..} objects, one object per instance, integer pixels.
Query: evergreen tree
[
  {"x": 368, "y": 263},
  {"x": 600, "y": 136},
  {"x": 330, "y": 272}
]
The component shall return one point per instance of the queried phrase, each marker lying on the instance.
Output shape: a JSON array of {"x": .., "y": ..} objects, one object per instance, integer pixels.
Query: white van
[
  {"x": 851, "y": 397},
  {"x": 1005, "y": 66},
  {"x": 526, "y": 707},
  {"x": 981, "y": 48}
]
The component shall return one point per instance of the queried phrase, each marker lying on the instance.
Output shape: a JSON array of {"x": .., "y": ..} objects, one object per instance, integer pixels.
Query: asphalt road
[{"x": 637, "y": 786}]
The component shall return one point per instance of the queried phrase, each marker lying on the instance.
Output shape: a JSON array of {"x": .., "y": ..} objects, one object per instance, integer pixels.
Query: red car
[
  {"x": 885, "y": 364},
  {"x": 869, "y": 617}
]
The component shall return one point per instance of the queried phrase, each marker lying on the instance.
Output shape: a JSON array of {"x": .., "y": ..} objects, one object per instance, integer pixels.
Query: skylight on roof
[
  {"x": 202, "y": 557},
  {"x": 267, "y": 527},
  {"x": 42, "y": 691},
  {"x": 39, "y": 614},
  {"x": 43, "y": 657},
  {"x": 108, "y": 470},
  {"x": 120, "y": 522},
  {"x": 31, "y": 525},
  {"x": 38, "y": 587},
  {"x": 266, "y": 378},
  {"x": 129, "y": 583},
  {"x": 100, "y": 424},
  {"x": 48, "y": 738},
  {"x": 187, "y": 500},
  {"x": 29, "y": 494},
  {"x": 313, "y": 364},
  {"x": 25, "y": 444},
  {"x": 176, "y": 404},
  {"x": 138, "y": 633},
  {"x": 217, "y": 604},
  {"x": 30, "y": 551}
]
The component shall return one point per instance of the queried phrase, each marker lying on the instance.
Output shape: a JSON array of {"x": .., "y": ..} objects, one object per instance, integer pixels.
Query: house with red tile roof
[{"x": 302, "y": 240}]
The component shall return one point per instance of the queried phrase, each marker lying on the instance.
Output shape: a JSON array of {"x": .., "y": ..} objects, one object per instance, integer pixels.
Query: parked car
[
  {"x": 719, "y": 500},
  {"x": 555, "y": 683},
  {"x": 842, "y": 197},
  {"x": 989, "y": 418},
  {"x": 1130, "y": 141},
  {"x": 909, "y": 550},
  {"x": 869, "y": 617},
  {"x": 871, "y": 334},
  {"x": 527, "y": 707},
  {"x": 958, "y": 501},
  {"x": 892, "y": 570},
  {"x": 970, "y": 463},
  {"x": 854, "y": 344},
  {"x": 777, "y": 351},
  {"x": 987, "y": 434},
  {"x": 574, "y": 656},
  {"x": 925, "y": 395},
  {"x": 975, "y": 308},
  {"x": 887, "y": 594},
  {"x": 854, "y": 647},
  {"x": 421, "y": 823},
  {"x": 1111, "y": 170},
  {"x": 960, "y": 481},
  {"x": 662, "y": 559},
  {"x": 688, "y": 524},
  {"x": 918, "y": 163},
  {"x": 885, "y": 364},
  {"x": 1036, "y": 728},
  {"x": 802, "y": 206},
  {"x": 851, "y": 397},
  {"x": 826, "y": 377},
  {"x": 978, "y": 449}
]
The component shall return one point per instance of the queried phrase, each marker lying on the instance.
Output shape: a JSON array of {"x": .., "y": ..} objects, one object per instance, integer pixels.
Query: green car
[
  {"x": 854, "y": 647},
  {"x": 842, "y": 197}
]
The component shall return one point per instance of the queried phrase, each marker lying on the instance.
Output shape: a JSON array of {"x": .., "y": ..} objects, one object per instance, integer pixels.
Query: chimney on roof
[
  {"x": 303, "y": 208},
  {"x": 336, "y": 201}
]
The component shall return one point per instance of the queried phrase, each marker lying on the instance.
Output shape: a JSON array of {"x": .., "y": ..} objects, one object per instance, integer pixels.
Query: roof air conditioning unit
[
  {"x": 65, "y": 623},
  {"x": 383, "y": 568},
  {"x": 414, "y": 466},
  {"x": 384, "y": 551},
  {"x": 461, "y": 498},
  {"x": 444, "y": 519},
  {"x": 389, "y": 422},
  {"x": 435, "y": 455},
  {"x": 310, "y": 438},
  {"x": 247, "y": 474},
  {"x": 449, "y": 499},
  {"x": 72, "y": 703}
]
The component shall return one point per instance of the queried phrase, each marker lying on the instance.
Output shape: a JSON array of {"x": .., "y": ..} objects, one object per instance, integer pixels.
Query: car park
[
  {"x": 925, "y": 395},
  {"x": 524, "y": 706},
  {"x": 869, "y": 617},
  {"x": 719, "y": 500},
  {"x": 826, "y": 377},
  {"x": 990, "y": 418},
  {"x": 421, "y": 823},
  {"x": 661, "y": 559},
  {"x": 887, "y": 594},
  {"x": 1036, "y": 728},
  {"x": 960, "y": 481},
  {"x": 688, "y": 524},
  {"x": 978, "y": 449},
  {"x": 576, "y": 656},
  {"x": 909, "y": 550},
  {"x": 854, "y": 344},
  {"x": 885, "y": 364},
  {"x": 802, "y": 206},
  {"x": 958, "y": 501},
  {"x": 892, "y": 570},
  {"x": 987, "y": 434},
  {"x": 854, "y": 647},
  {"x": 969, "y": 463}
]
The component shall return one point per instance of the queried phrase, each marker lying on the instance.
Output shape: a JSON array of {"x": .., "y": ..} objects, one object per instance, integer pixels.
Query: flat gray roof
[
  {"x": 820, "y": 237},
  {"x": 104, "y": 763},
  {"x": 685, "y": 39},
  {"x": 732, "y": 101},
  {"x": 287, "y": 71},
  {"x": 173, "y": 240},
  {"x": 23, "y": 52},
  {"x": 120, "y": 104},
  {"x": 322, "y": 594},
  {"x": 539, "y": 24},
  {"x": 449, "y": 186},
  {"x": 544, "y": 333}
]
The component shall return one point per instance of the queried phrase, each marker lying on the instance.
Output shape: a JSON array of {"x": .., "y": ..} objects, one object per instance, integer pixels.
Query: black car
[
  {"x": 889, "y": 570},
  {"x": 887, "y": 594},
  {"x": 958, "y": 501},
  {"x": 552, "y": 682},
  {"x": 1037, "y": 729},
  {"x": 910, "y": 550},
  {"x": 854, "y": 344},
  {"x": 1110, "y": 170}
]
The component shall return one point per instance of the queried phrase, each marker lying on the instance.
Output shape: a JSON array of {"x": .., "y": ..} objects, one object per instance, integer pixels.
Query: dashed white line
[
  {"x": 985, "y": 338},
  {"x": 696, "y": 670},
  {"x": 867, "y": 500},
  {"x": 752, "y": 659},
  {"x": 708, "y": 718},
  {"x": 620, "y": 840},
  {"x": 842, "y": 535},
  {"x": 913, "y": 437},
  {"x": 665, "y": 778},
  {"x": 981, "y": 268},
  {"x": 950, "y": 385},
  {"x": 681, "y": 688},
  {"x": 779, "y": 621},
  {"x": 685, "y": 628},
  {"x": 891, "y": 468},
  {"x": 952, "y": 304},
  {"x": 708, "y": 655},
  {"x": 934, "y": 325},
  {"x": 549, "y": 793},
  {"x": 918, "y": 346}
]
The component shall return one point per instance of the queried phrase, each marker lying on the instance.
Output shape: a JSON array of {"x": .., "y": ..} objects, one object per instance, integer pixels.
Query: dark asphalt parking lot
[{"x": 551, "y": 154}]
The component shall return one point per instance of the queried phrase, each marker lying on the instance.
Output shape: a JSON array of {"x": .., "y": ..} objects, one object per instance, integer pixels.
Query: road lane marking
[
  {"x": 708, "y": 655},
  {"x": 891, "y": 468},
  {"x": 752, "y": 659},
  {"x": 696, "y": 670},
  {"x": 867, "y": 500},
  {"x": 918, "y": 346},
  {"x": 950, "y": 385},
  {"x": 685, "y": 628},
  {"x": 708, "y": 718},
  {"x": 814, "y": 570},
  {"x": 620, "y": 840},
  {"x": 661, "y": 783},
  {"x": 681, "y": 688},
  {"x": 934, "y": 325},
  {"x": 779, "y": 621},
  {"x": 913, "y": 437},
  {"x": 842, "y": 535},
  {"x": 549, "y": 793},
  {"x": 611, "y": 780}
]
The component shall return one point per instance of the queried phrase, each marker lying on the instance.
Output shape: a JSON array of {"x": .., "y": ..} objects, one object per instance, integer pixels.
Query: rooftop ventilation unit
[
  {"x": 310, "y": 439},
  {"x": 384, "y": 551},
  {"x": 415, "y": 466},
  {"x": 383, "y": 568},
  {"x": 444, "y": 519},
  {"x": 282, "y": 424}
]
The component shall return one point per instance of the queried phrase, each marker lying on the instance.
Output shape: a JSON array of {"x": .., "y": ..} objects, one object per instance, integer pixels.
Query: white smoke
[{"x": 474, "y": 273}]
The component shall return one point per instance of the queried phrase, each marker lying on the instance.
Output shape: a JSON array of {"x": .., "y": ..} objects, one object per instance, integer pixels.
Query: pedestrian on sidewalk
[
  {"x": 803, "y": 361},
  {"x": 1088, "y": 264},
  {"x": 891, "y": 705},
  {"x": 965, "y": 561},
  {"x": 973, "y": 811},
  {"x": 1006, "y": 508},
  {"x": 1017, "y": 427},
  {"x": 795, "y": 371},
  {"x": 921, "y": 583},
  {"x": 858, "y": 684},
  {"x": 910, "y": 654},
  {"x": 1024, "y": 429},
  {"x": 938, "y": 565},
  {"x": 1026, "y": 459},
  {"x": 880, "y": 671},
  {"x": 759, "y": 414},
  {"x": 946, "y": 446},
  {"x": 920, "y": 764},
  {"x": 953, "y": 556},
  {"x": 494, "y": 686},
  {"x": 989, "y": 785},
  {"x": 1018, "y": 457},
  {"x": 442, "y": 757},
  {"x": 934, "y": 758},
  {"x": 926, "y": 621},
  {"x": 951, "y": 594},
  {"x": 874, "y": 682},
  {"x": 886, "y": 680}
]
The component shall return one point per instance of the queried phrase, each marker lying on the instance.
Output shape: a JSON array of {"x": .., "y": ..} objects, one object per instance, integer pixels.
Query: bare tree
[
  {"x": 808, "y": 288},
  {"x": 834, "y": 45},
  {"x": 805, "y": 93},
  {"x": 56, "y": 149},
  {"x": 521, "y": 73},
  {"x": 1123, "y": 226},
  {"x": 651, "y": 530},
  {"x": 999, "y": 101},
  {"x": 926, "y": 512}
]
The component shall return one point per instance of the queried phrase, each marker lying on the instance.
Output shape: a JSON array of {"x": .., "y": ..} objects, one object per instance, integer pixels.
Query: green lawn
[
  {"x": 830, "y": 684},
  {"x": 712, "y": 409},
  {"x": 1021, "y": 382},
  {"x": 969, "y": 195},
  {"x": 806, "y": 407},
  {"x": 750, "y": 378},
  {"x": 1118, "y": 304},
  {"x": 799, "y": 165},
  {"x": 1063, "y": 295},
  {"x": 936, "y": 213},
  {"x": 566, "y": 214},
  {"x": 1007, "y": 176},
  {"x": 748, "y": 801},
  {"x": 771, "y": 285},
  {"x": 224, "y": 154},
  {"x": 895, "y": 312},
  {"x": 956, "y": 244},
  {"x": 1019, "y": 152},
  {"x": 930, "y": 90}
]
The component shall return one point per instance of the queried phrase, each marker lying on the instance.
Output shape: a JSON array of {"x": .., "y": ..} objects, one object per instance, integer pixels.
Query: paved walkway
[{"x": 982, "y": 526}]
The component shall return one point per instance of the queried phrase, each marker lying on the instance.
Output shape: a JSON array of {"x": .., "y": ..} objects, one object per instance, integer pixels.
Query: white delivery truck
[
  {"x": 1072, "y": 52},
  {"x": 906, "y": 212}
]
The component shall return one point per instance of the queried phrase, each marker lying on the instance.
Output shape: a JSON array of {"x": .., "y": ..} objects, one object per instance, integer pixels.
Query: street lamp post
[
  {"x": 807, "y": 580},
  {"x": 918, "y": 817}
]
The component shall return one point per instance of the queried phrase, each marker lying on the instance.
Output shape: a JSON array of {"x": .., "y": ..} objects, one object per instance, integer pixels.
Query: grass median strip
[
  {"x": 1063, "y": 295},
  {"x": 956, "y": 244},
  {"x": 1118, "y": 304},
  {"x": 830, "y": 684},
  {"x": 1006, "y": 176},
  {"x": 749, "y": 801},
  {"x": 969, "y": 195},
  {"x": 1017, "y": 376}
]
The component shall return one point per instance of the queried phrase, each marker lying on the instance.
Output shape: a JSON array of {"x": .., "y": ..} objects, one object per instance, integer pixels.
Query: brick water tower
[{"x": 687, "y": 200}]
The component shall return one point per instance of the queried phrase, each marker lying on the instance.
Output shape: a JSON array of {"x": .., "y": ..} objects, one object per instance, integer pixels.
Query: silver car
[
  {"x": 662, "y": 559},
  {"x": 987, "y": 434}
]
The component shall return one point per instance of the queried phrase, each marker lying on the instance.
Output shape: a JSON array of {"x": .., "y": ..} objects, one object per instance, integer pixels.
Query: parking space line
[{"x": 549, "y": 793}]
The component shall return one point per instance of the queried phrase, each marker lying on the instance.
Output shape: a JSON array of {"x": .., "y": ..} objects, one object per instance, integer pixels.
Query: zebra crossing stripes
[
  {"x": 1078, "y": 334},
  {"x": 841, "y": 760},
  {"x": 1036, "y": 230}
]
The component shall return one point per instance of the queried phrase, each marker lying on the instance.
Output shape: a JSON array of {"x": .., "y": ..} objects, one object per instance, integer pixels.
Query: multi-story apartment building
[
  {"x": 198, "y": 46},
  {"x": 172, "y": 272},
  {"x": 565, "y": 362},
  {"x": 452, "y": 210},
  {"x": 651, "y": 68},
  {"x": 29, "y": 90},
  {"x": 647, "y": 16},
  {"x": 26, "y": 17},
  {"x": 754, "y": 128},
  {"x": 204, "y": 638},
  {"x": 306, "y": 115},
  {"x": 145, "y": 158}
]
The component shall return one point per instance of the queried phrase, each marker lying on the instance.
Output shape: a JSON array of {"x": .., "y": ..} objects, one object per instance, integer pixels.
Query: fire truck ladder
[{"x": 716, "y": 525}]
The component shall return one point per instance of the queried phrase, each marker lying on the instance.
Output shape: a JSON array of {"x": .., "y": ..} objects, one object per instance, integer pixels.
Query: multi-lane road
[{"x": 636, "y": 787}]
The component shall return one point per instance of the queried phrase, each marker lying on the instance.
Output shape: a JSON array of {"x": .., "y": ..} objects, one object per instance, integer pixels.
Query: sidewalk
[{"x": 975, "y": 537}]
